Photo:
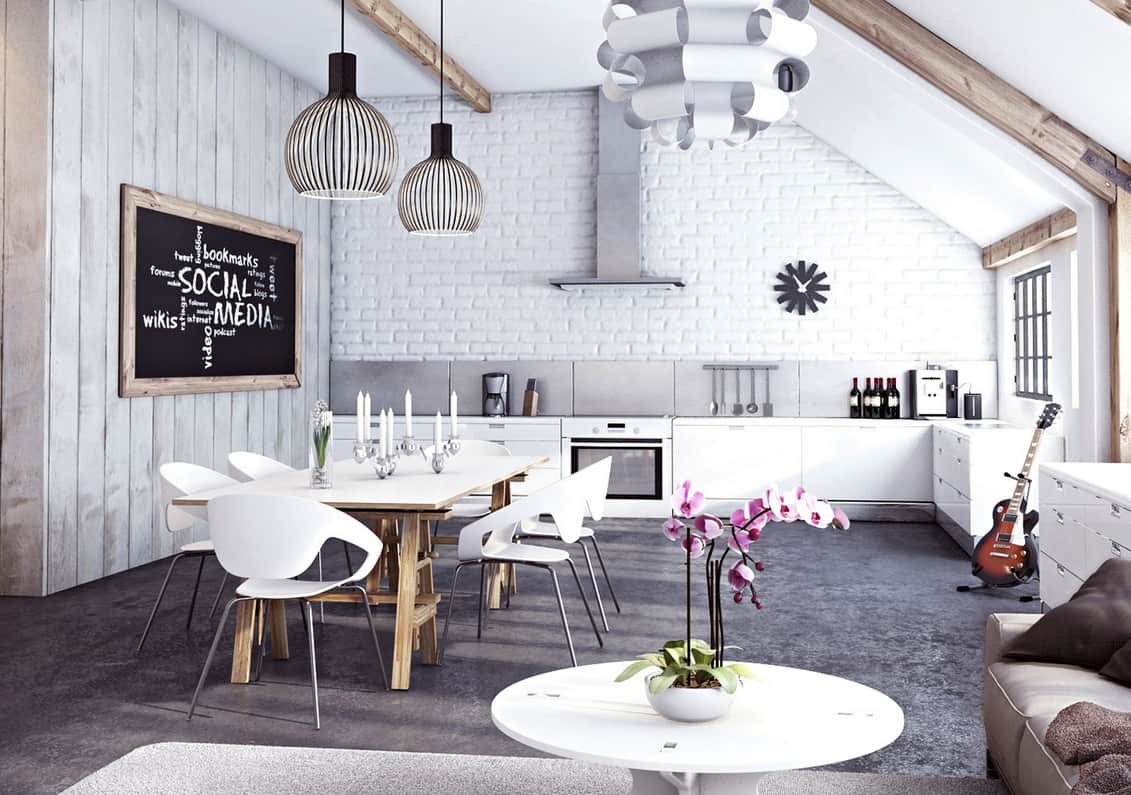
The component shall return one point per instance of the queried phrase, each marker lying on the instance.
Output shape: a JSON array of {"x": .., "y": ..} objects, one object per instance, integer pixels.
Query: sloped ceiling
[{"x": 1067, "y": 54}]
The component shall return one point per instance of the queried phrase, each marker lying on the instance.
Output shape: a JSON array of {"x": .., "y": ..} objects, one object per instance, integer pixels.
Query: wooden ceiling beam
[
  {"x": 407, "y": 35},
  {"x": 1121, "y": 9},
  {"x": 977, "y": 88},
  {"x": 1034, "y": 237}
]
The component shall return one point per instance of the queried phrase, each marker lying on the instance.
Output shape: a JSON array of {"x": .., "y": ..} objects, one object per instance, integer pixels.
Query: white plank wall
[{"x": 146, "y": 94}]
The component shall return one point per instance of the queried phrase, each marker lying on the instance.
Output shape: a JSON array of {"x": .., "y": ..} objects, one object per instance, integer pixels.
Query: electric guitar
[{"x": 1007, "y": 555}]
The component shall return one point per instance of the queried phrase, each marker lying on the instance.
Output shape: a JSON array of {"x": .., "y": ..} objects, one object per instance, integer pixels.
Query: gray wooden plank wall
[{"x": 146, "y": 94}]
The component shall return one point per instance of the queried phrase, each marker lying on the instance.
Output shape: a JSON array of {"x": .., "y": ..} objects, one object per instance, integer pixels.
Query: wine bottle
[
  {"x": 881, "y": 398},
  {"x": 869, "y": 395},
  {"x": 855, "y": 401},
  {"x": 893, "y": 400}
]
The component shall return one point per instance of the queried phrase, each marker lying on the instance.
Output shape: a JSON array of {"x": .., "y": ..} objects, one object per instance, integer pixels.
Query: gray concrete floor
[{"x": 876, "y": 604}]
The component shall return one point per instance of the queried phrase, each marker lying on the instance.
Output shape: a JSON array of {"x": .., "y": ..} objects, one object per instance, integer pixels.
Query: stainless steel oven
[{"x": 640, "y": 482}]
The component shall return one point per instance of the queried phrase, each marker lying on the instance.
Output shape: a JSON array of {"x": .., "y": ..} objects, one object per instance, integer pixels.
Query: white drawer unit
[
  {"x": 970, "y": 463},
  {"x": 735, "y": 462},
  {"x": 1085, "y": 521},
  {"x": 868, "y": 462}
]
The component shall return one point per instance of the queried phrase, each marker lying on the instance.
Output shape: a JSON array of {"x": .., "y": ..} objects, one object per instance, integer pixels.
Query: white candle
[
  {"x": 390, "y": 434},
  {"x": 437, "y": 432},
  {"x": 383, "y": 436},
  {"x": 408, "y": 412},
  {"x": 360, "y": 417},
  {"x": 368, "y": 417},
  {"x": 453, "y": 411}
]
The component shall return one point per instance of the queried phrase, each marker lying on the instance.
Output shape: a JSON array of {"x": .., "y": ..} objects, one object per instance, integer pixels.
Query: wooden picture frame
[{"x": 129, "y": 384}]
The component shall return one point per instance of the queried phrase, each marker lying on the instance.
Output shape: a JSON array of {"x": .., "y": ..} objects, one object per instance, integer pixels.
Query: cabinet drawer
[
  {"x": 1112, "y": 520},
  {"x": 1055, "y": 491},
  {"x": 1057, "y": 583},
  {"x": 1097, "y": 549},
  {"x": 523, "y": 447},
  {"x": 954, "y": 504},
  {"x": 1064, "y": 540},
  {"x": 493, "y": 431}
]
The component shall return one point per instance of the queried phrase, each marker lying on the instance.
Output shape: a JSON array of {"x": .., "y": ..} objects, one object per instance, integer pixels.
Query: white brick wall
[{"x": 904, "y": 285}]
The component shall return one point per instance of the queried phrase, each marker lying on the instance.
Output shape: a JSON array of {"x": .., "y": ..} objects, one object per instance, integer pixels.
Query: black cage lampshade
[
  {"x": 440, "y": 196},
  {"x": 341, "y": 147}
]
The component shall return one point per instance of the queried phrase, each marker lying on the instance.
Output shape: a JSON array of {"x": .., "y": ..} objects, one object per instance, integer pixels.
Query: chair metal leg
[
  {"x": 482, "y": 590},
  {"x": 373, "y": 632},
  {"x": 596, "y": 590},
  {"x": 601, "y": 562},
  {"x": 321, "y": 605},
  {"x": 160, "y": 596},
  {"x": 212, "y": 653},
  {"x": 448, "y": 620},
  {"x": 584, "y": 601},
  {"x": 195, "y": 590},
  {"x": 565, "y": 622},
  {"x": 219, "y": 593},
  {"x": 313, "y": 667}
]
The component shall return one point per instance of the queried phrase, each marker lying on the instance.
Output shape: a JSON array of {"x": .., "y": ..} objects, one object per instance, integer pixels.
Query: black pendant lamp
[
  {"x": 341, "y": 147},
  {"x": 440, "y": 196}
]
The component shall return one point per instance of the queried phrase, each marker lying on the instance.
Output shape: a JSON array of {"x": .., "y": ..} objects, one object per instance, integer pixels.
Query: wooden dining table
[{"x": 398, "y": 509}]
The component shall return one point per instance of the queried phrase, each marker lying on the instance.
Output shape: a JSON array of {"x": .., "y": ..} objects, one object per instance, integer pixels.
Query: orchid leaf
[
  {"x": 727, "y": 678},
  {"x": 702, "y": 656},
  {"x": 744, "y": 670},
  {"x": 663, "y": 680},
  {"x": 655, "y": 659},
  {"x": 633, "y": 669}
]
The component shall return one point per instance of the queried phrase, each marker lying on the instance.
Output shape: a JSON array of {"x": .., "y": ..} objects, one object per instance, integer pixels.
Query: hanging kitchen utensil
[
  {"x": 767, "y": 406},
  {"x": 752, "y": 406},
  {"x": 737, "y": 408},
  {"x": 713, "y": 406}
]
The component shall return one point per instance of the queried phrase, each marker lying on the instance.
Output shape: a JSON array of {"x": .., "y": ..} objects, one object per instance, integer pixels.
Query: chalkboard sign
[{"x": 211, "y": 301}]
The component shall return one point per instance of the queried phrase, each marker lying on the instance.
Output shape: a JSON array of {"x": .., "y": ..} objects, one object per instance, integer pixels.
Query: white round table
[{"x": 787, "y": 719}]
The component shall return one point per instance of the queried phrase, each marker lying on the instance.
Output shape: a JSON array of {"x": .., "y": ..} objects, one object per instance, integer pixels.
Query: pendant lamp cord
[
  {"x": 342, "y": 28},
  {"x": 441, "y": 61}
]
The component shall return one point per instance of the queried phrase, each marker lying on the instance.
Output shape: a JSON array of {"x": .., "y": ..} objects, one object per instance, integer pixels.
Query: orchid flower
[
  {"x": 740, "y": 576},
  {"x": 739, "y": 541},
  {"x": 709, "y": 525},
  {"x": 815, "y": 512},
  {"x": 673, "y": 529},
  {"x": 840, "y": 519},
  {"x": 694, "y": 545},
  {"x": 686, "y": 502},
  {"x": 752, "y": 516},
  {"x": 791, "y": 505}
]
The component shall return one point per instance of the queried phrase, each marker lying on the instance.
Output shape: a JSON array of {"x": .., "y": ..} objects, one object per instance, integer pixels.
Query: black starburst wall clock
[{"x": 802, "y": 287}]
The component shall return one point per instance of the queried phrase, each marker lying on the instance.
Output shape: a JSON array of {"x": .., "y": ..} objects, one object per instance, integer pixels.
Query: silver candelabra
[{"x": 385, "y": 465}]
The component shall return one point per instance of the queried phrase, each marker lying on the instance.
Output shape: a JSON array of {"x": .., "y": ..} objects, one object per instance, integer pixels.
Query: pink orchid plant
[{"x": 694, "y": 663}]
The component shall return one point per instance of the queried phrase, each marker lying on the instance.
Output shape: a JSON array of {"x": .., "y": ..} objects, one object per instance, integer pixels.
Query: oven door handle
[{"x": 617, "y": 443}]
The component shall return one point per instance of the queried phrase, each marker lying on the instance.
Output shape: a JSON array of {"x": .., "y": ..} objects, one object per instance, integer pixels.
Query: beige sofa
[{"x": 1022, "y": 698}]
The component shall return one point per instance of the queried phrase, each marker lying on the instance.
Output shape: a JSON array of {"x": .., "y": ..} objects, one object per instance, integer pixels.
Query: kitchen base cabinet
[
  {"x": 735, "y": 462},
  {"x": 868, "y": 463},
  {"x": 1085, "y": 521}
]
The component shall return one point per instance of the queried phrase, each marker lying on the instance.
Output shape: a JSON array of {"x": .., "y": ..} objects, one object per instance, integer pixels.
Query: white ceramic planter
[{"x": 690, "y": 705}]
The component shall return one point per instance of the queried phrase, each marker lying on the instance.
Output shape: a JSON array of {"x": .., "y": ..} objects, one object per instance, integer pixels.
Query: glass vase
[{"x": 321, "y": 436}]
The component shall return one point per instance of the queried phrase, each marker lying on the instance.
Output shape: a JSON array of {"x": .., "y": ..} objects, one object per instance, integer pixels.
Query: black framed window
[{"x": 1031, "y": 312}]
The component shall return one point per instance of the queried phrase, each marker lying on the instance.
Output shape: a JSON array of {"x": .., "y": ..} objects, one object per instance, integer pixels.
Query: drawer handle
[
  {"x": 1060, "y": 569},
  {"x": 1116, "y": 550},
  {"x": 496, "y": 425},
  {"x": 1059, "y": 517},
  {"x": 1059, "y": 484},
  {"x": 1115, "y": 511}
]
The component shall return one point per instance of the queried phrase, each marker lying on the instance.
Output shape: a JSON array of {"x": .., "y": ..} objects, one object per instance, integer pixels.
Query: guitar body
[{"x": 997, "y": 560}]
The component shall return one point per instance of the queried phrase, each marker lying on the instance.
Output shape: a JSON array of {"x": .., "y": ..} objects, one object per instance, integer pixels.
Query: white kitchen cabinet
[
  {"x": 729, "y": 462},
  {"x": 868, "y": 462},
  {"x": 1085, "y": 521}
]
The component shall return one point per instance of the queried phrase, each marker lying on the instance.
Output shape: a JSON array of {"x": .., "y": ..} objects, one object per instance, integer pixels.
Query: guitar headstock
[{"x": 1048, "y": 415}]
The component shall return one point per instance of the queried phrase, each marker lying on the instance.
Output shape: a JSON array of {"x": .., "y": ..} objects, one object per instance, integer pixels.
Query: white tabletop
[
  {"x": 789, "y": 719},
  {"x": 414, "y": 487}
]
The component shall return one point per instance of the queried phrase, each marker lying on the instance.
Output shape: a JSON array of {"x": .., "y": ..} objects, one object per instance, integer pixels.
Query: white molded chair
[
  {"x": 246, "y": 466},
  {"x": 564, "y": 502},
  {"x": 270, "y": 541},
  {"x": 177, "y": 480},
  {"x": 597, "y": 478}
]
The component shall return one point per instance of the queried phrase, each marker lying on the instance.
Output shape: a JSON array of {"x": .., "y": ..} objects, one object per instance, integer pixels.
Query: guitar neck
[{"x": 1023, "y": 482}]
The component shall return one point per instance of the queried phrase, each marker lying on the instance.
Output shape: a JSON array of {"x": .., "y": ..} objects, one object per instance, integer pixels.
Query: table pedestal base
[{"x": 651, "y": 782}]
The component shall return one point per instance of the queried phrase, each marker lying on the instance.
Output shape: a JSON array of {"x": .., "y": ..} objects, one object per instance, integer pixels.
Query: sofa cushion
[
  {"x": 1038, "y": 689},
  {"x": 1119, "y": 666},
  {"x": 1040, "y": 771},
  {"x": 1087, "y": 629}
]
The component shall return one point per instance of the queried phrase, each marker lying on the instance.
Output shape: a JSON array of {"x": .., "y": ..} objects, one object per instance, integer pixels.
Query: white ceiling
[
  {"x": 1067, "y": 54},
  {"x": 532, "y": 45}
]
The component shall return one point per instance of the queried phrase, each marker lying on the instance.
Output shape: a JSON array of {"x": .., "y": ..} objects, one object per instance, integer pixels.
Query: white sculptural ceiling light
[{"x": 705, "y": 70}]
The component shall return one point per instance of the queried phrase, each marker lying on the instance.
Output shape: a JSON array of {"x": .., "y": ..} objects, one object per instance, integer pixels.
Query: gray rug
[{"x": 205, "y": 768}]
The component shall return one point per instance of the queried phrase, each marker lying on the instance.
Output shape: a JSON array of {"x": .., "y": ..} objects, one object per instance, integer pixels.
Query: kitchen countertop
[{"x": 958, "y": 426}]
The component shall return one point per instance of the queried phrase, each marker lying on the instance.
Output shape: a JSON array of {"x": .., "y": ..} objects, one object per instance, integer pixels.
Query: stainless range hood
[{"x": 618, "y": 211}]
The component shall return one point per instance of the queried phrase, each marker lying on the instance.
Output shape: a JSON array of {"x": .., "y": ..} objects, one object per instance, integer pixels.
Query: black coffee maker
[{"x": 496, "y": 394}]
